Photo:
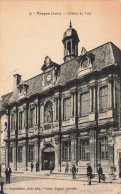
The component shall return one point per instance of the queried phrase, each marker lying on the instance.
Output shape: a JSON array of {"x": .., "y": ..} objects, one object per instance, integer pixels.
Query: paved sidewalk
[
  {"x": 60, "y": 176},
  {"x": 68, "y": 176}
]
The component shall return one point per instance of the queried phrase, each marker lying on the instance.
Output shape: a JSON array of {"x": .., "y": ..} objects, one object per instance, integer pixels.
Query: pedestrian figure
[
  {"x": 66, "y": 167},
  {"x": 0, "y": 170},
  {"x": 50, "y": 167},
  {"x": 89, "y": 173},
  {"x": 100, "y": 173},
  {"x": 37, "y": 166},
  {"x": 9, "y": 174},
  {"x": 32, "y": 166},
  {"x": 6, "y": 174},
  {"x": 74, "y": 172}
]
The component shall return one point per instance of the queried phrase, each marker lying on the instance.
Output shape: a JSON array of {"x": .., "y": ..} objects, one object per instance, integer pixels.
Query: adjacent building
[{"x": 70, "y": 112}]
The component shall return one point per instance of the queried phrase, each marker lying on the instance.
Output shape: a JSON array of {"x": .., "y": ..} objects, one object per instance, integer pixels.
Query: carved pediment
[{"x": 47, "y": 63}]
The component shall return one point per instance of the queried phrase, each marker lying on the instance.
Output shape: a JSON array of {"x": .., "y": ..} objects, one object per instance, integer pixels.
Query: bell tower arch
[{"x": 70, "y": 42}]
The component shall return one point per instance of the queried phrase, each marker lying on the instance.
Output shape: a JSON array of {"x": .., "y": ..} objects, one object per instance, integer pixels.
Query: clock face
[{"x": 48, "y": 77}]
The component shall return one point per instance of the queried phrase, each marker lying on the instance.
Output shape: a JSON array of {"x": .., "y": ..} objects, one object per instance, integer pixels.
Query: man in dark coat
[
  {"x": 31, "y": 166},
  {"x": 37, "y": 167},
  {"x": 9, "y": 174},
  {"x": 51, "y": 167},
  {"x": 89, "y": 173},
  {"x": 6, "y": 174},
  {"x": 74, "y": 172},
  {"x": 100, "y": 173}
]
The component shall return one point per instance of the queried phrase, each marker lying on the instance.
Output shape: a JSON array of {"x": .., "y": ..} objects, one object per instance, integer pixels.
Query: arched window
[{"x": 48, "y": 112}]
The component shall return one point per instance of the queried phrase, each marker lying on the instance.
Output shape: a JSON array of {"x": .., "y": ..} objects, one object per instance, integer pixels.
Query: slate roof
[
  {"x": 105, "y": 55},
  {"x": 5, "y": 101}
]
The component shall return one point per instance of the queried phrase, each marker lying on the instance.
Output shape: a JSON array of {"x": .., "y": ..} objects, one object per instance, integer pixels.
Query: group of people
[
  {"x": 74, "y": 170},
  {"x": 8, "y": 172},
  {"x": 89, "y": 172}
]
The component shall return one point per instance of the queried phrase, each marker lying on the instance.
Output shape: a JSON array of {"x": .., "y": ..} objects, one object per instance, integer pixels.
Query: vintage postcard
[{"x": 60, "y": 97}]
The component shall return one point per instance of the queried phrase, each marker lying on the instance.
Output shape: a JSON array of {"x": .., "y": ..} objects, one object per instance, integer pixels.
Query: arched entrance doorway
[{"x": 48, "y": 155}]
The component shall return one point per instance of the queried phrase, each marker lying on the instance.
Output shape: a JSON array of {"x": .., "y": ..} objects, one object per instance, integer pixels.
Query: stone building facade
[{"x": 70, "y": 112}]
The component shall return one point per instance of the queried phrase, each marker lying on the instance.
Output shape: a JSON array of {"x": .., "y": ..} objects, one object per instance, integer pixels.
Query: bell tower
[{"x": 70, "y": 42}]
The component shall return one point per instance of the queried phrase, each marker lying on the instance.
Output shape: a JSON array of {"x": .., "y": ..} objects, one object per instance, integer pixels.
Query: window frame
[
  {"x": 104, "y": 144},
  {"x": 20, "y": 154},
  {"x": 31, "y": 153},
  {"x": 83, "y": 150},
  {"x": 13, "y": 121},
  {"x": 21, "y": 120},
  {"x": 103, "y": 98},
  {"x": 67, "y": 151},
  {"x": 31, "y": 116},
  {"x": 82, "y": 112},
  {"x": 65, "y": 117}
]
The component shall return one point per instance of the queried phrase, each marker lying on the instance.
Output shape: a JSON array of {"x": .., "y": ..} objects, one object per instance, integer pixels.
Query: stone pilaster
[
  {"x": 8, "y": 144},
  {"x": 24, "y": 156},
  {"x": 36, "y": 151},
  {"x": 40, "y": 157},
  {"x": 73, "y": 149},
  {"x": 6, "y": 154},
  {"x": 92, "y": 144},
  {"x": 73, "y": 101},
  {"x": 57, "y": 153},
  {"x": 94, "y": 99},
  {"x": 42, "y": 112},
  {"x": 14, "y": 156},
  {"x": 91, "y": 99}
]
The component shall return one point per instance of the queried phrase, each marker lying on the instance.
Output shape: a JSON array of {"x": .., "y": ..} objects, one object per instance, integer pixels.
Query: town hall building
[{"x": 71, "y": 112}]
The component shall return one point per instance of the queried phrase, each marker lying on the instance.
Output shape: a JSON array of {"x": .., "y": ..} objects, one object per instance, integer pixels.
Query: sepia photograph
[{"x": 60, "y": 97}]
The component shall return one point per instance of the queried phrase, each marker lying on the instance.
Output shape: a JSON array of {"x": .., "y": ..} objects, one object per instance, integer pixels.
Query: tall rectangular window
[
  {"x": 31, "y": 117},
  {"x": 84, "y": 149},
  {"x": 31, "y": 153},
  {"x": 67, "y": 151},
  {"x": 104, "y": 148},
  {"x": 103, "y": 98},
  {"x": 67, "y": 108},
  {"x": 11, "y": 154},
  {"x": 21, "y": 120},
  {"x": 20, "y": 158},
  {"x": 12, "y": 121},
  {"x": 85, "y": 103}
]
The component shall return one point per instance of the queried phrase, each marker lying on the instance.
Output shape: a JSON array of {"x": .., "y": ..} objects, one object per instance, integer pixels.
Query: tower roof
[{"x": 70, "y": 33}]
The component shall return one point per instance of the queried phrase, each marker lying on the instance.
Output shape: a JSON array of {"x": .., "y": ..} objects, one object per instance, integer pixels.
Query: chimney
[{"x": 16, "y": 81}]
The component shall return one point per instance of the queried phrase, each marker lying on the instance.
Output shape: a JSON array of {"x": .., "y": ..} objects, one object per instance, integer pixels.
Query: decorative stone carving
[
  {"x": 57, "y": 139},
  {"x": 48, "y": 112},
  {"x": 47, "y": 61}
]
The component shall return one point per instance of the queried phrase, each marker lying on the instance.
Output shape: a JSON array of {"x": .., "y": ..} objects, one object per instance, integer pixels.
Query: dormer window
[
  {"x": 22, "y": 89},
  {"x": 86, "y": 62}
]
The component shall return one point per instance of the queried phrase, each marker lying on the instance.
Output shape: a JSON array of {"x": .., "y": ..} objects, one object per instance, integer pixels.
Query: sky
[{"x": 26, "y": 37}]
